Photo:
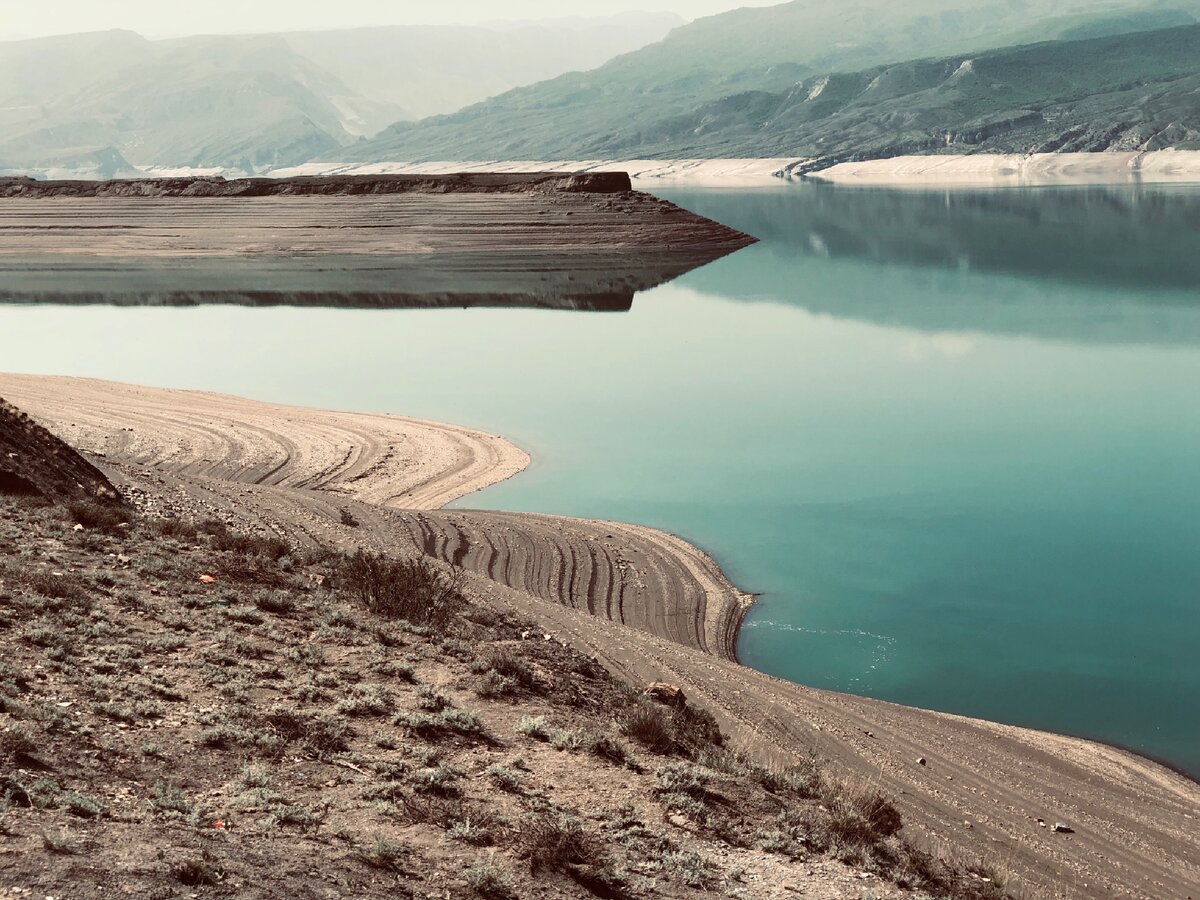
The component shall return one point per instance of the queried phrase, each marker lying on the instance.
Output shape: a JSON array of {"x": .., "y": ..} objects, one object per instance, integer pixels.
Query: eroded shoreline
[{"x": 984, "y": 785}]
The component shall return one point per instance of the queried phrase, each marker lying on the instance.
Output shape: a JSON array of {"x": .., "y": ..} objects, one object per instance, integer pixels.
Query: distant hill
[
  {"x": 430, "y": 70},
  {"x": 101, "y": 104},
  {"x": 712, "y": 88}
]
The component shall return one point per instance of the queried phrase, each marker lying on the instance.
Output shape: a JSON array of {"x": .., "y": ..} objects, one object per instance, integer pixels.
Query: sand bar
[{"x": 984, "y": 786}]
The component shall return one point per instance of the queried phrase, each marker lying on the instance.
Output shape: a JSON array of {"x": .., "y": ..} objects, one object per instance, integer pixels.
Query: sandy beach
[{"x": 647, "y": 605}]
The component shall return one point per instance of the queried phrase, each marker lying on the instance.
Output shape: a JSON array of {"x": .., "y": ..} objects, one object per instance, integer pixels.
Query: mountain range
[
  {"x": 104, "y": 103},
  {"x": 811, "y": 78},
  {"x": 808, "y": 79}
]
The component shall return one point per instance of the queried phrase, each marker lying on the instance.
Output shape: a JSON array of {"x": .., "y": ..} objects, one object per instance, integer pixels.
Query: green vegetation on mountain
[{"x": 808, "y": 79}]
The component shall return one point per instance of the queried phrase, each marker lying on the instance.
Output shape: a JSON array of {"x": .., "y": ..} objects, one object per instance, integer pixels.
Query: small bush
[
  {"x": 168, "y": 799},
  {"x": 173, "y": 528},
  {"x": 366, "y": 700},
  {"x": 82, "y": 806},
  {"x": 440, "y": 780},
  {"x": 691, "y": 869},
  {"x": 104, "y": 517},
  {"x": 17, "y": 745},
  {"x": 488, "y": 879},
  {"x": 651, "y": 727},
  {"x": 415, "y": 590},
  {"x": 470, "y": 833},
  {"x": 62, "y": 842},
  {"x": 277, "y": 602},
  {"x": 448, "y": 722},
  {"x": 381, "y": 854},
  {"x": 552, "y": 840},
  {"x": 268, "y": 547},
  {"x": 502, "y": 673},
  {"x": 196, "y": 873},
  {"x": 321, "y": 735},
  {"x": 505, "y": 779},
  {"x": 431, "y": 699},
  {"x": 860, "y": 818},
  {"x": 682, "y": 732},
  {"x": 535, "y": 727}
]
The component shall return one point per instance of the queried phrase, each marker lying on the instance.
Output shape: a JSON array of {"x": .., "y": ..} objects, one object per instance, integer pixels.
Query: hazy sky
[{"x": 156, "y": 18}]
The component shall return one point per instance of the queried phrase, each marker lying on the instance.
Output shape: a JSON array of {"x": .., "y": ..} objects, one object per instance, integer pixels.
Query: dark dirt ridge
[
  {"x": 324, "y": 185},
  {"x": 35, "y": 462},
  {"x": 581, "y": 301}
]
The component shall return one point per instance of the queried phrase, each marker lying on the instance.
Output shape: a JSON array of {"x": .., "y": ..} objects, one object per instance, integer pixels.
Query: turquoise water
[{"x": 950, "y": 437}]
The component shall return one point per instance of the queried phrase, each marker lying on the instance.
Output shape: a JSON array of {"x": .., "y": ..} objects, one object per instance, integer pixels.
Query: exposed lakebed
[{"x": 951, "y": 437}]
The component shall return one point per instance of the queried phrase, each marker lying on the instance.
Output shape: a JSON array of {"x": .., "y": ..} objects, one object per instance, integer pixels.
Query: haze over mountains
[
  {"x": 100, "y": 104},
  {"x": 809, "y": 78}
]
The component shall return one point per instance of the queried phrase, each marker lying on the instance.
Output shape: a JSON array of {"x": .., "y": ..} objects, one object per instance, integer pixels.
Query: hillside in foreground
[
  {"x": 644, "y": 604},
  {"x": 185, "y": 708}
]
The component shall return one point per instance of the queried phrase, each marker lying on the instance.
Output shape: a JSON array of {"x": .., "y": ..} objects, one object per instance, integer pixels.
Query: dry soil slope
[{"x": 980, "y": 793}]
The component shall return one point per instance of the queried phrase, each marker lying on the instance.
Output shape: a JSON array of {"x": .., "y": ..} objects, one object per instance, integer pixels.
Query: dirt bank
[
  {"x": 572, "y": 242},
  {"x": 980, "y": 792}
]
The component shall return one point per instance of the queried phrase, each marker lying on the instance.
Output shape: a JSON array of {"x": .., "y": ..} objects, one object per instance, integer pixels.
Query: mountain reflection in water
[{"x": 1082, "y": 264}]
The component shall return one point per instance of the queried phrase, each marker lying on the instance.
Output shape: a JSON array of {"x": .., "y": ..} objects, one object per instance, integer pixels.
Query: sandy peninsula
[{"x": 650, "y": 607}]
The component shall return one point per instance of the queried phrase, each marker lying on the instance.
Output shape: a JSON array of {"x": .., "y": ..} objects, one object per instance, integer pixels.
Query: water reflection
[
  {"x": 594, "y": 281},
  {"x": 1087, "y": 264}
]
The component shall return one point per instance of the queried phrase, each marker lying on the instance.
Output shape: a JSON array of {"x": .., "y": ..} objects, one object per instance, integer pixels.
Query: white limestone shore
[
  {"x": 732, "y": 172},
  {"x": 973, "y": 170},
  {"x": 999, "y": 170}
]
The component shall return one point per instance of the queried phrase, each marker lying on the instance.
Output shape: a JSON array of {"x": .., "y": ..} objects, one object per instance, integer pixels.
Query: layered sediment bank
[
  {"x": 974, "y": 788},
  {"x": 579, "y": 241}
]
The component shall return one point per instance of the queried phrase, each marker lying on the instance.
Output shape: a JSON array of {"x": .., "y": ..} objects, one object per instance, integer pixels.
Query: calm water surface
[{"x": 951, "y": 438}]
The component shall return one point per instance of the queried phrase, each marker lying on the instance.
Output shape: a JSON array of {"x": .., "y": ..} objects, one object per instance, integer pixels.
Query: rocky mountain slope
[{"x": 788, "y": 81}]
